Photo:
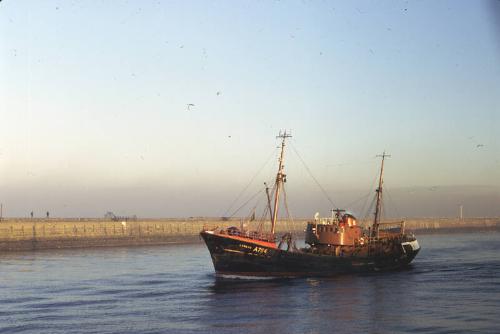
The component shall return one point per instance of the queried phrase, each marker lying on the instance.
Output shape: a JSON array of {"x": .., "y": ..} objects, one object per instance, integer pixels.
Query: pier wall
[{"x": 32, "y": 234}]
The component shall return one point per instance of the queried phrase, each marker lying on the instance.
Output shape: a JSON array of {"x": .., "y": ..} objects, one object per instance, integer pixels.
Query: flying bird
[
  {"x": 479, "y": 145},
  {"x": 189, "y": 105}
]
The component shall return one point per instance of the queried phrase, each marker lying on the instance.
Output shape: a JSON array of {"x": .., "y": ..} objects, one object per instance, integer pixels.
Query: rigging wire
[
  {"x": 251, "y": 217},
  {"x": 249, "y": 183},
  {"x": 244, "y": 204},
  {"x": 392, "y": 202},
  {"x": 254, "y": 209},
  {"x": 312, "y": 176},
  {"x": 287, "y": 210},
  {"x": 382, "y": 210},
  {"x": 261, "y": 220},
  {"x": 252, "y": 213},
  {"x": 370, "y": 208},
  {"x": 358, "y": 200},
  {"x": 370, "y": 191},
  {"x": 266, "y": 211}
]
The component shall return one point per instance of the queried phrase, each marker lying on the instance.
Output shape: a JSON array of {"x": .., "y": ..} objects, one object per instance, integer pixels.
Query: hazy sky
[{"x": 94, "y": 104}]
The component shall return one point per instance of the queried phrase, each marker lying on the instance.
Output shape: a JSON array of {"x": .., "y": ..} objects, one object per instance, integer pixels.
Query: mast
[
  {"x": 269, "y": 202},
  {"x": 280, "y": 178},
  {"x": 378, "y": 209}
]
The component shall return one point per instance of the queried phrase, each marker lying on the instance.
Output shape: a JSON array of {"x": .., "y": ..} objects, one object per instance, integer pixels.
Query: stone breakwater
[{"x": 33, "y": 234}]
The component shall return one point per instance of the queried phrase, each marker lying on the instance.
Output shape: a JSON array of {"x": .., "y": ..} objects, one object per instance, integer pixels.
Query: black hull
[{"x": 236, "y": 256}]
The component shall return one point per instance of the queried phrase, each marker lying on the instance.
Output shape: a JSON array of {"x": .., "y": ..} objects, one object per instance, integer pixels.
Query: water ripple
[{"x": 452, "y": 287}]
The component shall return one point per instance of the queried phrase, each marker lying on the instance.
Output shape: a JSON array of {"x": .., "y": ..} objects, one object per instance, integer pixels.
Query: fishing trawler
[{"x": 335, "y": 245}]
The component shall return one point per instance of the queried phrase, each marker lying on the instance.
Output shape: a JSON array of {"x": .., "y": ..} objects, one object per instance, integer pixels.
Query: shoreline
[{"x": 36, "y": 234}]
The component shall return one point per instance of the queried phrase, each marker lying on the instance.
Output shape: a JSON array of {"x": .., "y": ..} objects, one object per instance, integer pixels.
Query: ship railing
[
  {"x": 392, "y": 227},
  {"x": 390, "y": 230},
  {"x": 260, "y": 236},
  {"x": 255, "y": 235},
  {"x": 381, "y": 238}
]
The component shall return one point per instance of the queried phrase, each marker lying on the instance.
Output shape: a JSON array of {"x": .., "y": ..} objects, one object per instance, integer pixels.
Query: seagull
[
  {"x": 218, "y": 93},
  {"x": 189, "y": 105}
]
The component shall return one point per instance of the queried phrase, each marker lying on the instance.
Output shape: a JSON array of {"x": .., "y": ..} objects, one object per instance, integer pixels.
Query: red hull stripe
[{"x": 249, "y": 240}]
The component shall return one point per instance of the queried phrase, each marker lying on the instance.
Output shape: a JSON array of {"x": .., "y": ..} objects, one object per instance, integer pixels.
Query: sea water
[{"x": 453, "y": 286}]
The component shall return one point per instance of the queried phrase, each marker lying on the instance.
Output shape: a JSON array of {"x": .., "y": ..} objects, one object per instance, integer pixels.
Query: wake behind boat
[{"x": 334, "y": 245}]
